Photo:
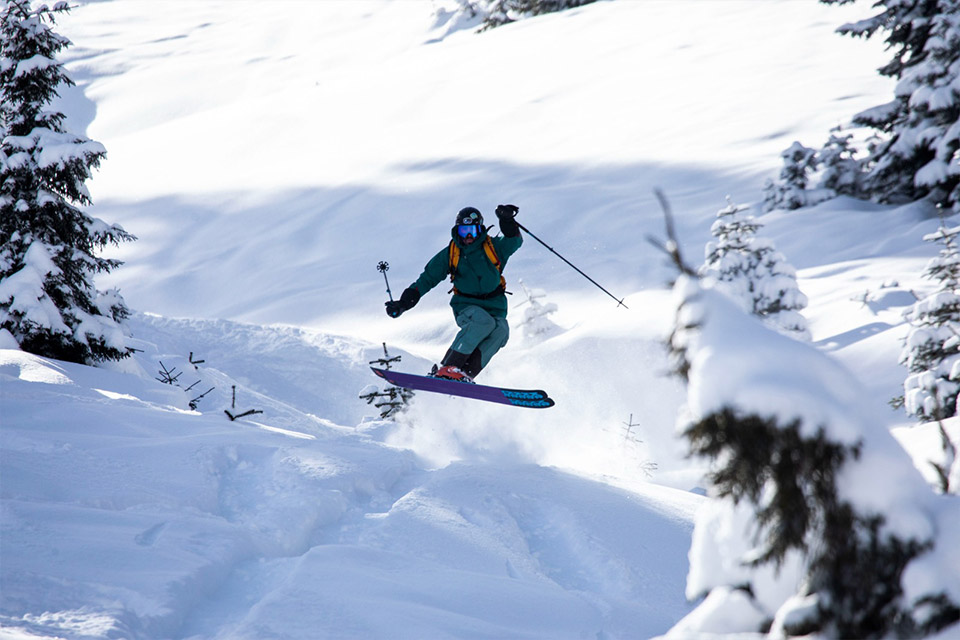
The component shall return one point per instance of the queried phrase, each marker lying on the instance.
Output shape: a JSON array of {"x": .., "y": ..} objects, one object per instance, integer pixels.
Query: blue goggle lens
[{"x": 465, "y": 230}]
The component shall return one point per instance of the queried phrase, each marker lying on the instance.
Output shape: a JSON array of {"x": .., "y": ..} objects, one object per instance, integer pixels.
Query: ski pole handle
[{"x": 383, "y": 267}]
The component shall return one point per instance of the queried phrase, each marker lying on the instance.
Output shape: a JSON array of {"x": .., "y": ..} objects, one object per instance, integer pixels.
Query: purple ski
[{"x": 533, "y": 398}]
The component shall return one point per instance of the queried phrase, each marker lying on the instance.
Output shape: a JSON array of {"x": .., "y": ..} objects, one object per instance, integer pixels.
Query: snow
[
  {"x": 722, "y": 539},
  {"x": 722, "y": 612},
  {"x": 30, "y": 65},
  {"x": 24, "y": 290},
  {"x": 269, "y": 155},
  {"x": 166, "y": 520}
]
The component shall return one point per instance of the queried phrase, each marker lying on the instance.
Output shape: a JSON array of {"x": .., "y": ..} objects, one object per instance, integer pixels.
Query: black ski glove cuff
[
  {"x": 506, "y": 214},
  {"x": 409, "y": 298}
]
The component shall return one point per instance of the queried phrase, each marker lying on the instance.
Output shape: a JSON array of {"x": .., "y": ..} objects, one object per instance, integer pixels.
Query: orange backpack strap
[
  {"x": 492, "y": 253},
  {"x": 495, "y": 259},
  {"x": 452, "y": 262},
  {"x": 454, "y": 258}
]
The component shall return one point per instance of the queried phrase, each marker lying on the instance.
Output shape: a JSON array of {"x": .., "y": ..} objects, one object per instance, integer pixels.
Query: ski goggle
[
  {"x": 469, "y": 217},
  {"x": 465, "y": 230}
]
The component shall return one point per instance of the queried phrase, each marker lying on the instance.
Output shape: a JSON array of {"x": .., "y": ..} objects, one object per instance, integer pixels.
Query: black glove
[
  {"x": 408, "y": 300},
  {"x": 506, "y": 214}
]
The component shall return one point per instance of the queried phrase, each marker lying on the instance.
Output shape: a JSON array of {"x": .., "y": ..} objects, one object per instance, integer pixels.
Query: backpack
[{"x": 491, "y": 255}]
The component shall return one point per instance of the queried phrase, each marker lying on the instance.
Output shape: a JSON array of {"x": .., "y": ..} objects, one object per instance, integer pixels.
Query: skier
[{"x": 474, "y": 261}]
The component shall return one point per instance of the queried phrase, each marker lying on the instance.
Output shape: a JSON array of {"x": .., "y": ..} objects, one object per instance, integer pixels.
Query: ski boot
[{"x": 449, "y": 372}]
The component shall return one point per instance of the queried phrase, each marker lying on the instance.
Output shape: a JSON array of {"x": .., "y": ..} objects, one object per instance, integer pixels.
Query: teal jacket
[{"x": 476, "y": 274}]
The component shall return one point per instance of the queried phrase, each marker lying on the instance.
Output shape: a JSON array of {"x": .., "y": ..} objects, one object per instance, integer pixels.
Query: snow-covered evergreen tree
[
  {"x": 495, "y": 13},
  {"x": 789, "y": 191},
  {"x": 932, "y": 349},
  {"x": 840, "y": 168},
  {"x": 751, "y": 271},
  {"x": 792, "y": 190},
  {"x": 48, "y": 246},
  {"x": 819, "y": 523},
  {"x": 917, "y": 151}
]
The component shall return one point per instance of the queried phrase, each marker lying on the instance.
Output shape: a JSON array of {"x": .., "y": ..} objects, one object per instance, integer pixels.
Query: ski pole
[
  {"x": 552, "y": 250},
  {"x": 383, "y": 267}
]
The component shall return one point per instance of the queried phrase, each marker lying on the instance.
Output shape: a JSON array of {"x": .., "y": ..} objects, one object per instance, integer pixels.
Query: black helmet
[{"x": 470, "y": 215}]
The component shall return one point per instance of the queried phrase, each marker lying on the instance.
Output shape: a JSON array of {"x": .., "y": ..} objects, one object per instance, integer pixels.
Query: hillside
[{"x": 268, "y": 156}]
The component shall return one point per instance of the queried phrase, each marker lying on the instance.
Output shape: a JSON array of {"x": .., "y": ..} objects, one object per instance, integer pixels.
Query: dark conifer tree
[
  {"x": 916, "y": 153},
  {"x": 48, "y": 246}
]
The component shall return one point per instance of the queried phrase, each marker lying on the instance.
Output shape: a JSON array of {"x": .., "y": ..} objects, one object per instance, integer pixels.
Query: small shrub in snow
[
  {"x": 632, "y": 444},
  {"x": 754, "y": 273},
  {"x": 840, "y": 168},
  {"x": 390, "y": 400},
  {"x": 834, "y": 169},
  {"x": 495, "y": 13},
  {"x": 791, "y": 190},
  {"x": 48, "y": 246},
  {"x": 932, "y": 349},
  {"x": 537, "y": 324}
]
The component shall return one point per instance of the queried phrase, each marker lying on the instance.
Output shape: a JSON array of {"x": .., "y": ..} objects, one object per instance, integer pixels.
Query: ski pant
[{"x": 480, "y": 331}]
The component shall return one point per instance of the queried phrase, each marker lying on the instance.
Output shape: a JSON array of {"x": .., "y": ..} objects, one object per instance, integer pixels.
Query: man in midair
[{"x": 475, "y": 262}]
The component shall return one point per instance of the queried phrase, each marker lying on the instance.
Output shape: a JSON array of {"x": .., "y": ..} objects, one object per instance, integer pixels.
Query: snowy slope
[
  {"x": 268, "y": 155},
  {"x": 294, "y": 146},
  {"x": 127, "y": 515}
]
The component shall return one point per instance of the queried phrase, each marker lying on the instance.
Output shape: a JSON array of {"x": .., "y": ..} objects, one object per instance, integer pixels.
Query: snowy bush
[
  {"x": 834, "y": 169},
  {"x": 48, "y": 251},
  {"x": 495, "y": 13},
  {"x": 537, "y": 324},
  {"x": 820, "y": 523},
  {"x": 791, "y": 190},
  {"x": 752, "y": 272},
  {"x": 841, "y": 170}
]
